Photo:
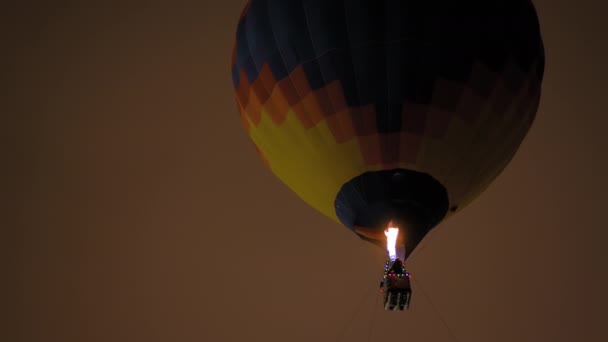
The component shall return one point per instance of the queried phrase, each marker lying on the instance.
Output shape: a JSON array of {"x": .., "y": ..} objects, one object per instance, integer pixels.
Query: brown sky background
[{"x": 139, "y": 211}]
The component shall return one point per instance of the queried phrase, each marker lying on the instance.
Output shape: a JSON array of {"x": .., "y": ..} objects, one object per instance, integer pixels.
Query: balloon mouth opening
[
  {"x": 392, "y": 237},
  {"x": 406, "y": 197}
]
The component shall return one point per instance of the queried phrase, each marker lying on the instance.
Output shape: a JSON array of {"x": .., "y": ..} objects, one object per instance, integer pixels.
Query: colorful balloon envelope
[{"x": 374, "y": 111}]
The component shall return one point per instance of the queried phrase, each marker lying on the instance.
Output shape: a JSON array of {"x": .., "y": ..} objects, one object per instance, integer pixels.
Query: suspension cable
[
  {"x": 355, "y": 313},
  {"x": 428, "y": 298},
  {"x": 422, "y": 245},
  {"x": 371, "y": 325}
]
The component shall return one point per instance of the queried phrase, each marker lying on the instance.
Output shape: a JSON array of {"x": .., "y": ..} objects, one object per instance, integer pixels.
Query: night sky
[{"x": 139, "y": 211}]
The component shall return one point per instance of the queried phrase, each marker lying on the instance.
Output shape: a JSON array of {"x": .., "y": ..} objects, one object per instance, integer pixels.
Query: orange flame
[{"x": 391, "y": 240}]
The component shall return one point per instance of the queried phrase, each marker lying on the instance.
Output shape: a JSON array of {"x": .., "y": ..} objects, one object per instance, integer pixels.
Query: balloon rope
[
  {"x": 371, "y": 324},
  {"x": 423, "y": 244},
  {"x": 358, "y": 308},
  {"x": 445, "y": 324}
]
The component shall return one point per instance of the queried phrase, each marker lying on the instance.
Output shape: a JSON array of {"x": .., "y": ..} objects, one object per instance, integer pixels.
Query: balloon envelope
[{"x": 379, "y": 110}]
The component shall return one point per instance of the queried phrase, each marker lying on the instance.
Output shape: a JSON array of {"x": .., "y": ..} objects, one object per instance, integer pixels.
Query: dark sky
[{"x": 139, "y": 210}]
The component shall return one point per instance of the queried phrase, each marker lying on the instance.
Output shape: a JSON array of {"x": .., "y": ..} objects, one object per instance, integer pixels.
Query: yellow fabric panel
[{"x": 308, "y": 161}]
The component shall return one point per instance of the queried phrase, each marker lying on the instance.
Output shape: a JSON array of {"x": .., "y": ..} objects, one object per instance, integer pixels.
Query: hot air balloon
[{"x": 378, "y": 111}]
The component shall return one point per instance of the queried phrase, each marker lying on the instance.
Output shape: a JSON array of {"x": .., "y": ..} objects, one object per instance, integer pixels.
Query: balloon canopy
[{"x": 379, "y": 110}]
